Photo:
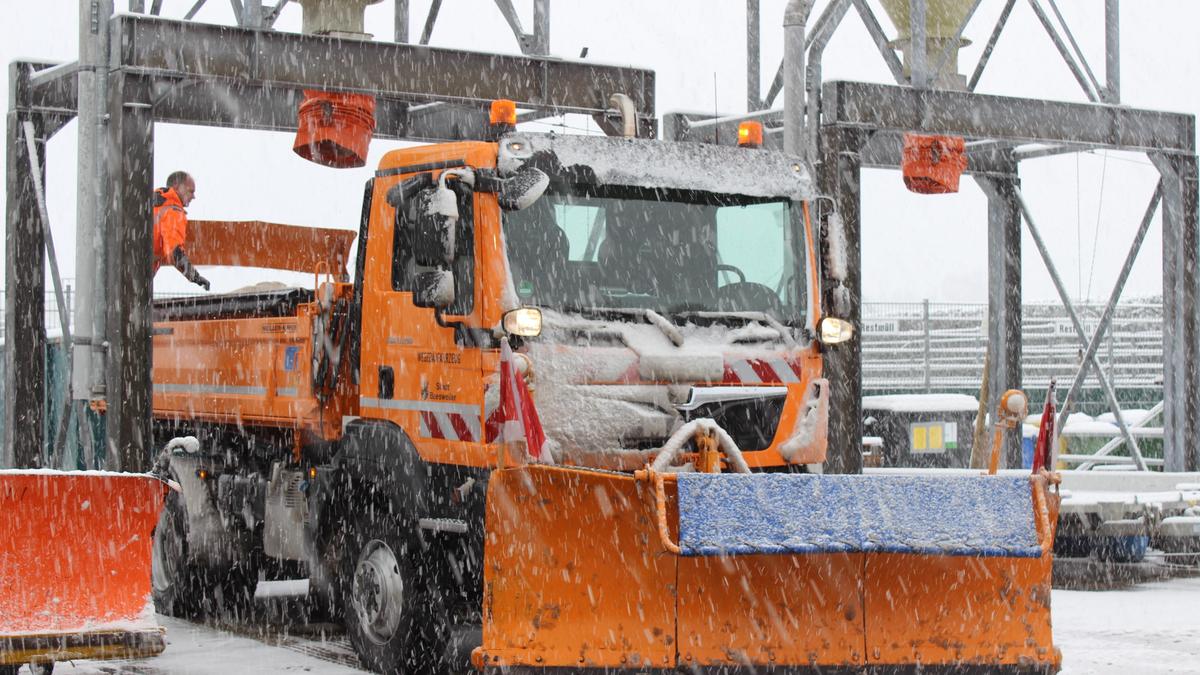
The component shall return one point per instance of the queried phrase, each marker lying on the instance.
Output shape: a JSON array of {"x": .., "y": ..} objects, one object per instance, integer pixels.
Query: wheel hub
[{"x": 378, "y": 592}]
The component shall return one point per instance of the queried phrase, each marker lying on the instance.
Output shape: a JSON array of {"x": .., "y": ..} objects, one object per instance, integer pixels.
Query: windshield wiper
[
  {"x": 769, "y": 320},
  {"x": 650, "y": 316}
]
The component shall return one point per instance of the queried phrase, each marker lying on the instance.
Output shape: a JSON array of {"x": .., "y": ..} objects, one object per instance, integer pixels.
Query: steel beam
[
  {"x": 795, "y": 18},
  {"x": 918, "y": 45},
  {"x": 838, "y": 176},
  {"x": 24, "y": 329},
  {"x": 541, "y": 27},
  {"x": 1181, "y": 312},
  {"x": 871, "y": 22},
  {"x": 430, "y": 20},
  {"x": 1110, "y": 396},
  {"x": 48, "y": 92},
  {"x": 986, "y": 55},
  {"x": 274, "y": 61},
  {"x": 822, "y": 33},
  {"x": 195, "y": 8},
  {"x": 753, "y": 56},
  {"x": 1106, "y": 317},
  {"x": 131, "y": 158},
  {"x": 1080, "y": 76},
  {"x": 888, "y": 107},
  {"x": 52, "y": 454},
  {"x": 1112, "y": 51},
  {"x": 1083, "y": 62},
  {"x": 220, "y": 103},
  {"x": 885, "y": 148},
  {"x": 698, "y": 127},
  {"x": 401, "y": 21},
  {"x": 1004, "y": 296}
]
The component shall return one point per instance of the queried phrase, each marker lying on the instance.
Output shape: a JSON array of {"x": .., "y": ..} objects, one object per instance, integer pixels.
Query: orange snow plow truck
[{"x": 661, "y": 300}]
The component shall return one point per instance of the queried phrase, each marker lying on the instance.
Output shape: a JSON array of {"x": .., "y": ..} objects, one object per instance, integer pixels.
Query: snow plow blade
[
  {"x": 723, "y": 573},
  {"x": 75, "y": 566}
]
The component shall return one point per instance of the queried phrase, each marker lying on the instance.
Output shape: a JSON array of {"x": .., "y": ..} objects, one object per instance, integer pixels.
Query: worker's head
[{"x": 183, "y": 185}]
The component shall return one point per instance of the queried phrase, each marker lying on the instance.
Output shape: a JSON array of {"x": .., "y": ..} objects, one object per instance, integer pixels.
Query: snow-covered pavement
[{"x": 1148, "y": 628}]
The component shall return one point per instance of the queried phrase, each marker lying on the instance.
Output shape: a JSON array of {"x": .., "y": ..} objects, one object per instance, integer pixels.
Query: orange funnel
[
  {"x": 933, "y": 164},
  {"x": 335, "y": 129}
]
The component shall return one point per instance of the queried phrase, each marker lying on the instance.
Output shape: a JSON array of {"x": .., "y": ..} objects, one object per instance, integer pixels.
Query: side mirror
[
  {"x": 434, "y": 289},
  {"x": 433, "y": 230},
  {"x": 522, "y": 189}
]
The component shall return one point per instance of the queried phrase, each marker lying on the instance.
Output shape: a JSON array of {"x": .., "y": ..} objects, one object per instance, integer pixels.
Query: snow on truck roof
[{"x": 666, "y": 164}]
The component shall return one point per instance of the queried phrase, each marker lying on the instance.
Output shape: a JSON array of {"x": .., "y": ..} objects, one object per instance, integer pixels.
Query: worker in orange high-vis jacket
[{"x": 170, "y": 226}]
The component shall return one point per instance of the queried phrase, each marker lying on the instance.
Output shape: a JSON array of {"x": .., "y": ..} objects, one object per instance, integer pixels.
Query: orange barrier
[{"x": 75, "y": 565}]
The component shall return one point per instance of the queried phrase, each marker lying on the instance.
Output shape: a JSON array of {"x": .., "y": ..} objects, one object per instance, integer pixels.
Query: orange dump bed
[
  {"x": 248, "y": 358},
  {"x": 263, "y": 356}
]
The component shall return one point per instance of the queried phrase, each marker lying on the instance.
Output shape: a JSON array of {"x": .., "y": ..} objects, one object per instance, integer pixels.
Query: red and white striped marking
[
  {"x": 449, "y": 426},
  {"x": 761, "y": 371}
]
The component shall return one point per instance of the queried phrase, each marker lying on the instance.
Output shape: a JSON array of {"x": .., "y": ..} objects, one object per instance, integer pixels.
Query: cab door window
[{"x": 404, "y": 263}]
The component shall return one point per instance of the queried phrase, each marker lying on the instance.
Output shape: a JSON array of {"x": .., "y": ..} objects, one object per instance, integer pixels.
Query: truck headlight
[
  {"x": 832, "y": 330},
  {"x": 526, "y": 322}
]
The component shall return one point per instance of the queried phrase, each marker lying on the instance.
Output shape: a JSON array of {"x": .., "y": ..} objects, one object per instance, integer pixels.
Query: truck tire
[
  {"x": 184, "y": 589},
  {"x": 382, "y": 590},
  {"x": 174, "y": 581}
]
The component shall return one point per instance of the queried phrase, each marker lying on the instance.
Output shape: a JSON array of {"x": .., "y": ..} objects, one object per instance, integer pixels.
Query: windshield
[{"x": 582, "y": 248}]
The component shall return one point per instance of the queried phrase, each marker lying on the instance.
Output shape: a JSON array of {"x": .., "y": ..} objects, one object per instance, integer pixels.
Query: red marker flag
[
  {"x": 517, "y": 415},
  {"x": 1045, "y": 438}
]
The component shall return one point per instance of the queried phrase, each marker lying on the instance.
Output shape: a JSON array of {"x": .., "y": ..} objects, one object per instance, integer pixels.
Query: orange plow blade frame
[
  {"x": 75, "y": 552},
  {"x": 582, "y": 572}
]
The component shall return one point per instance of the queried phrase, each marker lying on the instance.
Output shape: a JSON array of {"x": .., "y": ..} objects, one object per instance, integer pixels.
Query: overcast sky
[{"x": 914, "y": 247}]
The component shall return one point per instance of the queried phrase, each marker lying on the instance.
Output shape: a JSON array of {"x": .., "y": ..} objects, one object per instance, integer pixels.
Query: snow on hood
[
  {"x": 660, "y": 164},
  {"x": 584, "y": 406}
]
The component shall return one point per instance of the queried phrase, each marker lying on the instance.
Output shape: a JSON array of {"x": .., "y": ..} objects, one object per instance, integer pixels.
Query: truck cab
[{"x": 648, "y": 284}]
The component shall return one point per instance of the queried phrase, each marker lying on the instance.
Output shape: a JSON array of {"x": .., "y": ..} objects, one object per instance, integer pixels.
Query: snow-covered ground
[{"x": 1148, "y": 628}]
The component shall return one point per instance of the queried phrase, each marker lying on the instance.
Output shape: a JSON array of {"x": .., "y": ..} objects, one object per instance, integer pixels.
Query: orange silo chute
[
  {"x": 335, "y": 129},
  {"x": 933, "y": 164}
]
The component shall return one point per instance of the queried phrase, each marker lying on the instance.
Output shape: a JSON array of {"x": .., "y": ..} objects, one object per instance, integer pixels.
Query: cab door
[{"x": 420, "y": 366}]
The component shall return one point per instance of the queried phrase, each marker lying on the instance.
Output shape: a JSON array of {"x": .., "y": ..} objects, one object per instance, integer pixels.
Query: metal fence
[
  {"x": 936, "y": 346},
  {"x": 53, "y": 323},
  {"x": 940, "y": 346}
]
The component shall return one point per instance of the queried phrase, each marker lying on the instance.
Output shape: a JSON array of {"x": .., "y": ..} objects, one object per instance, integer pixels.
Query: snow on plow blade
[
  {"x": 793, "y": 573},
  {"x": 75, "y": 566}
]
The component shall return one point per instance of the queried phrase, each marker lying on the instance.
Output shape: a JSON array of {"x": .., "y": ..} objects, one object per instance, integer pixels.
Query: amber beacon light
[
  {"x": 503, "y": 113},
  {"x": 750, "y": 135}
]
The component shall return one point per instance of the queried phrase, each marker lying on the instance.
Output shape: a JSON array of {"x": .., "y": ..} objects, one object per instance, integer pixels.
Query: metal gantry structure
[
  {"x": 136, "y": 70},
  {"x": 845, "y": 127}
]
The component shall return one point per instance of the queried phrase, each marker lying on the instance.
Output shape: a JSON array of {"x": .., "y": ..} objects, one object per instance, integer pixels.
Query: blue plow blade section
[{"x": 734, "y": 514}]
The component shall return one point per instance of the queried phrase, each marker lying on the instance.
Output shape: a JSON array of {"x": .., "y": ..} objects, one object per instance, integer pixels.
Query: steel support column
[
  {"x": 24, "y": 329},
  {"x": 1181, "y": 312},
  {"x": 131, "y": 163},
  {"x": 753, "y": 57},
  {"x": 1004, "y": 297},
  {"x": 839, "y": 177}
]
